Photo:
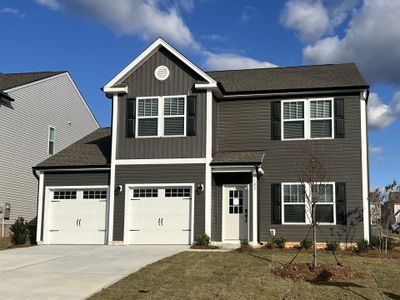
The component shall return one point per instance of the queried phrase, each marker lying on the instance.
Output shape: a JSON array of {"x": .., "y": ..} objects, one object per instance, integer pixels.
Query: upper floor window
[
  {"x": 51, "y": 140},
  {"x": 307, "y": 119},
  {"x": 161, "y": 116},
  {"x": 147, "y": 117}
]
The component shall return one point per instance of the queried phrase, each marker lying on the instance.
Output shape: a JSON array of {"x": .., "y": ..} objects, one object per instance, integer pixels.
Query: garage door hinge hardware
[
  {"x": 134, "y": 230},
  {"x": 135, "y": 199},
  {"x": 102, "y": 230},
  {"x": 55, "y": 201},
  {"x": 186, "y": 230},
  {"x": 53, "y": 230}
]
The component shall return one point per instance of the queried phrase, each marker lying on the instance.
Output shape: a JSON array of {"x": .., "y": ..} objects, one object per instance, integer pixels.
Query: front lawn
[{"x": 246, "y": 275}]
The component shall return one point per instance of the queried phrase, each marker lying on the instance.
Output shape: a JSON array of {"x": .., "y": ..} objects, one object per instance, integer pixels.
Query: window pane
[
  {"x": 323, "y": 193},
  {"x": 51, "y": 134},
  {"x": 174, "y": 126},
  {"x": 293, "y": 110},
  {"x": 147, "y": 127},
  {"x": 293, "y": 129},
  {"x": 321, "y": 109},
  {"x": 295, "y": 213},
  {"x": 324, "y": 213},
  {"x": 148, "y": 107},
  {"x": 51, "y": 147},
  {"x": 321, "y": 128},
  {"x": 293, "y": 193},
  {"x": 174, "y": 106}
]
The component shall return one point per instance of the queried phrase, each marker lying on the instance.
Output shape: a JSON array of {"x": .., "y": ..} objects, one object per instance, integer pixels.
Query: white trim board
[
  {"x": 160, "y": 161},
  {"x": 146, "y": 54},
  {"x": 129, "y": 186},
  {"x": 364, "y": 166}
]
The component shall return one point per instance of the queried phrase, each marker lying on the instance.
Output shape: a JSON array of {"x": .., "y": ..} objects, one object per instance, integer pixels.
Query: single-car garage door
[
  {"x": 76, "y": 216},
  {"x": 158, "y": 215}
]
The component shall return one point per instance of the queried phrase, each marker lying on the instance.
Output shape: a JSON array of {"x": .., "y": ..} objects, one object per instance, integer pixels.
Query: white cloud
[
  {"x": 380, "y": 115},
  {"x": 308, "y": 18},
  {"x": 147, "y": 19},
  {"x": 371, "y": 40},
  {"x": 213, "y": 37},
  {"x": 52, "y": 4},
  {"x": 396, "y": 103},
  {"x": 248, "y": 13},
  {"x": 12, "y": 11},
  {"x": 375, "y": 150},
  {"x": 230, "y": 61}
]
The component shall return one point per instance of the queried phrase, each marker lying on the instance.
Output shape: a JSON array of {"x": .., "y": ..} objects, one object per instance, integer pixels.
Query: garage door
[
  {"x": 77, "y": 216},
  {"x": 159, "y": 215}
]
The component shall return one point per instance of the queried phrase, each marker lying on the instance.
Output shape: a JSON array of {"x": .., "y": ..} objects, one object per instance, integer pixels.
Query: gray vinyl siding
[
  {"x": 24, "y": 130},
  {"x": 143, "y": 83},
  {"x": 218, "y": 180},
  {"x": 214, "y": 126},
  {"x": 142, "y": 174},
  {"x": 245, "y": 125}
]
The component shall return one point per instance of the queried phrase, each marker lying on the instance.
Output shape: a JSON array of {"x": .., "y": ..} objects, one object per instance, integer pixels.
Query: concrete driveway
[{"x": 71, "y": 271}]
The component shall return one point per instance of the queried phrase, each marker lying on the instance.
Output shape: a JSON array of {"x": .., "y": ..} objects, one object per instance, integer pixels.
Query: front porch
[{"x": 235, "y": 196}]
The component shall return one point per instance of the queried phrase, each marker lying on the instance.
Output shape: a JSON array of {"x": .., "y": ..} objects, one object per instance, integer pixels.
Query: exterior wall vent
[{"x": 161, "y": 73}]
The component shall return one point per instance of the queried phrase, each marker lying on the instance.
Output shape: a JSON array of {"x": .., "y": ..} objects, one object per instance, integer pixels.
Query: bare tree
[
  {"x": 313, "y": 176},
  {"x": 387, "y": 213}
]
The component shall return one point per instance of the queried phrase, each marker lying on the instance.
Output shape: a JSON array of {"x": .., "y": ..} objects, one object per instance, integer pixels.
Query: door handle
[
  {"x": 80, "y": 220},
  {"x": 76, "y": 222},
  {"x": 158, "y": 221},
  {"x": 162, "y": 221}
]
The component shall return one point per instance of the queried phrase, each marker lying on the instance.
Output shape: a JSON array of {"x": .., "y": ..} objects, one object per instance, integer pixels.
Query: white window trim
[
  {"x": 308, "y": 217},
  {"x": 307, "y": 119},
  {"x": 147, "y": 117},
  {"x": 160, "y": 117},
  {"x": 48, "y": 140}
]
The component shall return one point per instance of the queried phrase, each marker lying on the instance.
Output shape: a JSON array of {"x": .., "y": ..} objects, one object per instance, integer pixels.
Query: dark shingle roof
[
  {"x": 290, "y": 78},
  {"x": 11, "y": 80},
  {"x": 238, "y": 157},
  {"x": 92, "y": 150}
]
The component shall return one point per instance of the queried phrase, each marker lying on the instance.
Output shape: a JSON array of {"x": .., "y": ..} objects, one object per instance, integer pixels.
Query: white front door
[
  {"x": 235, "y": 213},
  {"x": 76, "y": 216},
  {"x": 158, "y": 215}
]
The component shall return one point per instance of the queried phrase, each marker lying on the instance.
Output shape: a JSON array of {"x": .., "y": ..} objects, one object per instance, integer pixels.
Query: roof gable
[{"x": 115, "y": 83}]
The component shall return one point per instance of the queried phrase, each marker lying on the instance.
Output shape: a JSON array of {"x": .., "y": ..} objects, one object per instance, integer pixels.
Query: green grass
[
  {"x": 234, "y": 275},
  {"x": 5, "y": 243}
]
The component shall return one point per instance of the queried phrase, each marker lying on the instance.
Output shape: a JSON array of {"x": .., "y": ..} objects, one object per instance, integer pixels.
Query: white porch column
[
  {"x": 39, "y": 219},
  {"x": 208, "y": 175},
  {"x": 255, "y": 208}
]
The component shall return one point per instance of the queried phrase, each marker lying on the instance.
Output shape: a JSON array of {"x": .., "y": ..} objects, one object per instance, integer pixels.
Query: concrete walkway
[{"x": 71, "y": 271}]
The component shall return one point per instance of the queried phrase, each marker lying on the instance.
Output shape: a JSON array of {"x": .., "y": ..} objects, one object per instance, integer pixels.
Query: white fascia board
[
  {"x": 150, "y": 51},
  {"x": 233, "y": 169},
  {"x": 113, "y": 90},
  {"x": 160, "y": 161}
]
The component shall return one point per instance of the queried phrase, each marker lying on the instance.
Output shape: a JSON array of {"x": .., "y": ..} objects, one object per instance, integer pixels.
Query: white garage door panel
[
  {"x": 159, "y": 220},
  {"x": 77, "y": 221}
]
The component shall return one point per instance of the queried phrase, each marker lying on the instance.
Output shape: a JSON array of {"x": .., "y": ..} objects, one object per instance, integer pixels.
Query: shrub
[
  {"x": 375, "y": 242},
  {"x": 306, "y": 244},
  {"x": 362, "y": 246},
  {"x": 269, "y": 245},
  {"x": 391, "y": 243},
  {"x": 19, "y": 231},
  {"x": 279, "y": 242},
  {"x": 203, "y": 240},
  {"x": 332, "y": 246}
]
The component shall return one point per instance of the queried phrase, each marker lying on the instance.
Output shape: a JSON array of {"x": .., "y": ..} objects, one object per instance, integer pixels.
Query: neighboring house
[
  {"x": 394, "y": 200},
  {"x": 375, "y": 212},
  {"x": 192, "y": 152},
  {"x": 40, "y": 114}
]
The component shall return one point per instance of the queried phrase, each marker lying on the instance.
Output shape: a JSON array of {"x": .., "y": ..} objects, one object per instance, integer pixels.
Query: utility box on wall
[{"x": 7, "y": 211}]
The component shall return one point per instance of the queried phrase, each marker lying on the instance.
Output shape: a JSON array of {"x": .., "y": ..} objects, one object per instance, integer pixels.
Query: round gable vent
[{"x": 161, "y": 73}]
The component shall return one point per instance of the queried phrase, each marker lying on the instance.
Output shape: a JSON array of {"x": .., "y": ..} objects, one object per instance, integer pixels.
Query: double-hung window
[
  {"x": 294, "y": 205},
  {"x": 321, "y": 118},
  {"x": 51, "y": 140},
  {"x": 148, "y": 119},
  {"x": 293, "y": 120},
  {"x": 174, "y": 116},
  {"x": 323, "y": 195},
  {"x": 307, "y": 119},
  {"x": 161, "y": 116}
]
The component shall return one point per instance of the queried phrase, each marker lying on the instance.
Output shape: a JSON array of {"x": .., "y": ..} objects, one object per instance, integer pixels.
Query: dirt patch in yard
[
  {"x": 326, "y": 272},
  {"x": 204, "y": 247},
  {"x": 391, "y": 254}
]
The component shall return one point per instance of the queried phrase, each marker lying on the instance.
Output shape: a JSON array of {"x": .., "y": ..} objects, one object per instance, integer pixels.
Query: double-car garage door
[{"x": 153, "y": 215}]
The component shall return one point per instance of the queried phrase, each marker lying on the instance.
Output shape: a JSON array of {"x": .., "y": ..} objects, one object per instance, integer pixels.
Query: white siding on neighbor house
[{"x": 24, "y": 129}]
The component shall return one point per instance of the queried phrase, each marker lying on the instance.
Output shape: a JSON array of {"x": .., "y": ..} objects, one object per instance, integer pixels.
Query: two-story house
[
  {"x": 40, "y": 114},
  {"x": 192, "y": 152}
]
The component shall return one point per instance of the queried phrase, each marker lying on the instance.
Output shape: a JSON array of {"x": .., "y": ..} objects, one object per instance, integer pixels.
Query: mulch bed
[
  {"x": 326, "y": 272},
  {"x": 203, "y": 247}
]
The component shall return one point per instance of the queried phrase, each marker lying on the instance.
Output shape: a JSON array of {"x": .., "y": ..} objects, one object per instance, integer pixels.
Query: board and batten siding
[
  {"x": 150, "y": 174},
  {"x": 143, "y": 83},
  {"x": 24, "y": 133},
  {"x": 249, "y": 128}
]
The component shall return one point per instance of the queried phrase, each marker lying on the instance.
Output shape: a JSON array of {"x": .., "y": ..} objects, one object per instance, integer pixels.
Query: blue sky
[{"x": 95, "y": 39}]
